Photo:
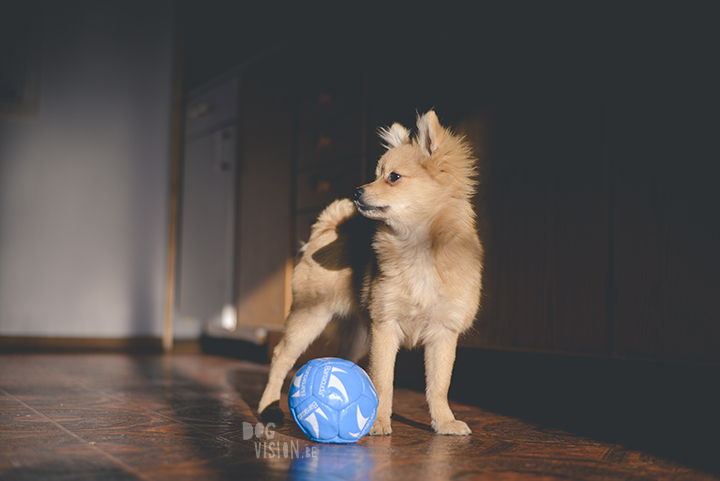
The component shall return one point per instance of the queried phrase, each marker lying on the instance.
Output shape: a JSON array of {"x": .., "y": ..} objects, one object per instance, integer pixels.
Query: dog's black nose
[{"x": 358, "y": 193}]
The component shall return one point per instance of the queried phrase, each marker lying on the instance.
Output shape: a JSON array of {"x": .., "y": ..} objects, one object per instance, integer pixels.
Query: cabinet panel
[
  {"x": 265, "y": 205},
  {"x": 668, "y": 231},
  {"x": 207, "y": 243},
  {"x": 544, "y": 225}
]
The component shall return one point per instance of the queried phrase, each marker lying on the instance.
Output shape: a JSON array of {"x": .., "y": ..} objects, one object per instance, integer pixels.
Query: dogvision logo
[{"x": 267, "y": 448}]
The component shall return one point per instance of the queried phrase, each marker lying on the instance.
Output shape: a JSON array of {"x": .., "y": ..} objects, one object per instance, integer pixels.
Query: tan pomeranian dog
[{"x": 407, "y": 271}]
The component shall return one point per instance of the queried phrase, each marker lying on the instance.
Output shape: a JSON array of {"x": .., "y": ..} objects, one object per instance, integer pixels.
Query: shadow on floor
[{"x": 669, "y": 410}]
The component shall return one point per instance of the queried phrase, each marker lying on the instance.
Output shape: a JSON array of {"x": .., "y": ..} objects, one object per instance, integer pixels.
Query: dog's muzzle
[{"x": 358, "y": 198}]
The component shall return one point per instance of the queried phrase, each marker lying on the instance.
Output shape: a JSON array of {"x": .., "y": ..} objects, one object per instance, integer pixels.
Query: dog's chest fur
[{"x": 408, "y": 289}]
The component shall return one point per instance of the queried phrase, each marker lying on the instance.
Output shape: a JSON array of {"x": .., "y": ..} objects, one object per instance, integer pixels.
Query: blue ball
[{"x": 333, "y": 400}]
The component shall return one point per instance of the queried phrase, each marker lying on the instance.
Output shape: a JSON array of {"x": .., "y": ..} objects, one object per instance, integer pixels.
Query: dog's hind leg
[
  {"x": 439, "y": 361},
  {"x": 302, "y": 327}
]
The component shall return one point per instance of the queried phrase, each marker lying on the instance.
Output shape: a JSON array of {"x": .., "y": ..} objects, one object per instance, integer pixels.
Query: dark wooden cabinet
[{"x": 663, "y": 140}]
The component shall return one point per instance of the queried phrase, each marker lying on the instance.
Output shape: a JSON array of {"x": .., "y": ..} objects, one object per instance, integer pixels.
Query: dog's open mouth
[{"x": 366, "y": 208}]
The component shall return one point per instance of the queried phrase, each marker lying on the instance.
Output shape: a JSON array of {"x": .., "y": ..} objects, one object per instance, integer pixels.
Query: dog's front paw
[
  {"x": 381, "y": 427},
  {"x": 266, "y": 401},
  {"x": 454, "y": 427}
]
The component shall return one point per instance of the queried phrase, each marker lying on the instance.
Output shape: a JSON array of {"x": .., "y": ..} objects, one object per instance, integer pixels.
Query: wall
[{"x": 84, "y": 185}]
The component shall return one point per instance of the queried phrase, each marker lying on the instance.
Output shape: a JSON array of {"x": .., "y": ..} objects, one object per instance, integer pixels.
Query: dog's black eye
[{"x": 394, "y": 177}]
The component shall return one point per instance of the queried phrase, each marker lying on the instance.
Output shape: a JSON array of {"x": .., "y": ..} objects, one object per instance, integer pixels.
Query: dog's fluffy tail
[
  {"x": 333, "y": 215},
  {"x": 328, "y": 220}
]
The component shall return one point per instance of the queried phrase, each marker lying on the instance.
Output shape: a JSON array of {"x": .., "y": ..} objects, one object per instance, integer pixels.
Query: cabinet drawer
[
  {"x": 334, "y": 138},
  {"x": 318, "y": 187}
]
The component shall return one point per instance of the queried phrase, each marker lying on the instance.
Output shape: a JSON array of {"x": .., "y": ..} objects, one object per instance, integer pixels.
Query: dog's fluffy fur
[{"x": 408, "y": 270}]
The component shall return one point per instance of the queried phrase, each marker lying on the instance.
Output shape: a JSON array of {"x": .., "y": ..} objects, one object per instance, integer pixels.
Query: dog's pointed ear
[
  {"x": 394, "y": 136},
  {"x": 429, "y": 132}
]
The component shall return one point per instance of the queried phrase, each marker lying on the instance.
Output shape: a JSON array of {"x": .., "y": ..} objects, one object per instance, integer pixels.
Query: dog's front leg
[
  {"x": 439, "y": 361},
  {"x": 384, "y": 345}
]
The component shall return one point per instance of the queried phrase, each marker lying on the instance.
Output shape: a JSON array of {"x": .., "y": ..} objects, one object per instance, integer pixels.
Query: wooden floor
[{"x": 175, "y": 417}]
